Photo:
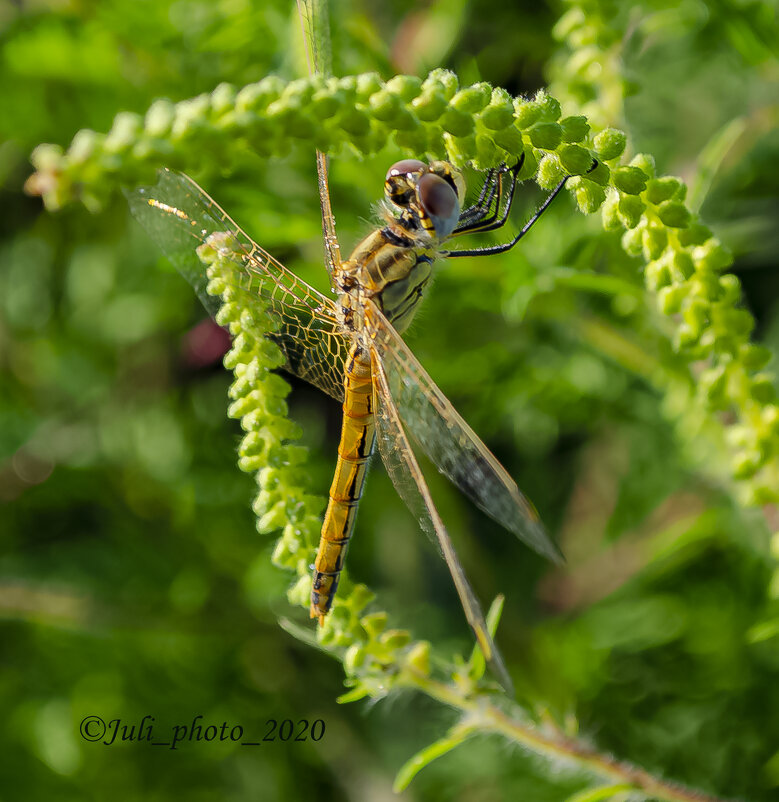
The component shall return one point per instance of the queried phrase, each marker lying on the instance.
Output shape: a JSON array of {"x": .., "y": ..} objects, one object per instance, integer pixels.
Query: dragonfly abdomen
[{"x": 358, "y": 434}]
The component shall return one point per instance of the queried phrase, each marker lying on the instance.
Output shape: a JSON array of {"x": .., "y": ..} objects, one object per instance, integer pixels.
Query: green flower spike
[{"x": 436, "y": 118}]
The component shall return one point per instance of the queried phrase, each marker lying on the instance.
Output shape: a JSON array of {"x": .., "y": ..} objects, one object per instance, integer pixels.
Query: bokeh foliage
[{"x": 133, "y": 580}]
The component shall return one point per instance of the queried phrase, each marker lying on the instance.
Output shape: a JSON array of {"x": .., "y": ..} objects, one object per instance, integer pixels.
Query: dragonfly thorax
[{"x": 393, "y": 265}]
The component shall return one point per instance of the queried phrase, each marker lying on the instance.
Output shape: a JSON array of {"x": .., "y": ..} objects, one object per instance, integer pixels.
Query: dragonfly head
[{"x": 429, "y": 195}]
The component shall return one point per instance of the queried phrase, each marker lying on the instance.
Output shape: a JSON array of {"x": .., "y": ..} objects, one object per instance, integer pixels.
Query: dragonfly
[{"x": 351, "y": 348}]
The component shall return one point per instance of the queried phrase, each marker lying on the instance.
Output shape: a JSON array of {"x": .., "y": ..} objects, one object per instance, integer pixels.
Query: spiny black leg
[
  {"x": 507, "y": 246},
  {"x": 484, "y": 214},
  {"x": 480, "y": 209},
  {"x": 490, "y": 178},
  {"x": 479, "y": 214},
  {"x": 491, "y": 223}
]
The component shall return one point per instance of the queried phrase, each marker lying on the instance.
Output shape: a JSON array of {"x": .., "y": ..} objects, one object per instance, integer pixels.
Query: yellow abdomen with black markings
[{"x": 358, "y": 433}]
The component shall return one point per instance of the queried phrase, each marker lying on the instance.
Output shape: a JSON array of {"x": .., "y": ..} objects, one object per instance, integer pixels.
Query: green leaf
[
  {"x": 414, "y": 765},
  {"x": 476, "y": 663}
]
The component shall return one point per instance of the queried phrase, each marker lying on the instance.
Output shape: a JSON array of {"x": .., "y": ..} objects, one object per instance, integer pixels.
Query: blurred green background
[{"x": 132, "y": 580}]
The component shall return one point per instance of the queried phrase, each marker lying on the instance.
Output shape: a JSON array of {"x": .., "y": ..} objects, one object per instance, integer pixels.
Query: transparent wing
[
  {"x": 332, "y": 248},
  {"x": 450, "y": 443},
  {"x": 315, "y": 22},
  {"x": 180, "y": 216},
  {"x": 406, "y": 475}
]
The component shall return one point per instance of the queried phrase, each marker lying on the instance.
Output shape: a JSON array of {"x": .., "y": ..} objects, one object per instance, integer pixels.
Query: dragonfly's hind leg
[
  {"x": 481, "y": 216},
  {"x": 507, "y": 246}
]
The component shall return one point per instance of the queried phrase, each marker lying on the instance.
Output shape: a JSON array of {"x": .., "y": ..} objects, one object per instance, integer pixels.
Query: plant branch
[{"x": 488, "y": 718}]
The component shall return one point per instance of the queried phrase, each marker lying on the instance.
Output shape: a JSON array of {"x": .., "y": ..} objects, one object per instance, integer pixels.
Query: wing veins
[
  {"x": 406, "y": 475},
  {"x": 450, "y": 443},
  {"x": 179, "y": 215}
]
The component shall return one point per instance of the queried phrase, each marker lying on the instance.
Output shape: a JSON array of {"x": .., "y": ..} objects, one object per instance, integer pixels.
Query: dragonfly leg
[
  {"x": 481, "y": 209},
  {"x": 488, "y": 220},
  {"x": 507, "y": 246}
]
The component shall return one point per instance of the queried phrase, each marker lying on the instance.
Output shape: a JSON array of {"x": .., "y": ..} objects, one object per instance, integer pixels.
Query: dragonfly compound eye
[
  {"x": 451, "y": 175},
  {"x": 401, "y": 179},
  {"x": 405, "y": 167},
  {"x": 439, "y": 201}
]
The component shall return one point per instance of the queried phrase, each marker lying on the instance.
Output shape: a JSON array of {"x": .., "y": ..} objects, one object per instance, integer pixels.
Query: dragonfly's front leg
[{"x": 358, "y": 435}]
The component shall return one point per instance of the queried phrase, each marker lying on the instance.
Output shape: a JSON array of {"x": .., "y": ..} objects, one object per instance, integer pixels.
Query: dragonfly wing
[
  {"x": 406, "y": 475},
  {"x": 180, "y": 217},
  {"x": 332, "y": 248},
  {"x": 315, "y": 21},
  {"x": 450, "y": 443}
]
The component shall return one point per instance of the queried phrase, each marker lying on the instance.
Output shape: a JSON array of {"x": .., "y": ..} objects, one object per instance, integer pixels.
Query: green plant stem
[{"x": 489, "y": 718}]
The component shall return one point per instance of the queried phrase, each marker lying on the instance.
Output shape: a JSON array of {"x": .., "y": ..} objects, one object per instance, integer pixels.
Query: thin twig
[{"x": 489, "y": 718}]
